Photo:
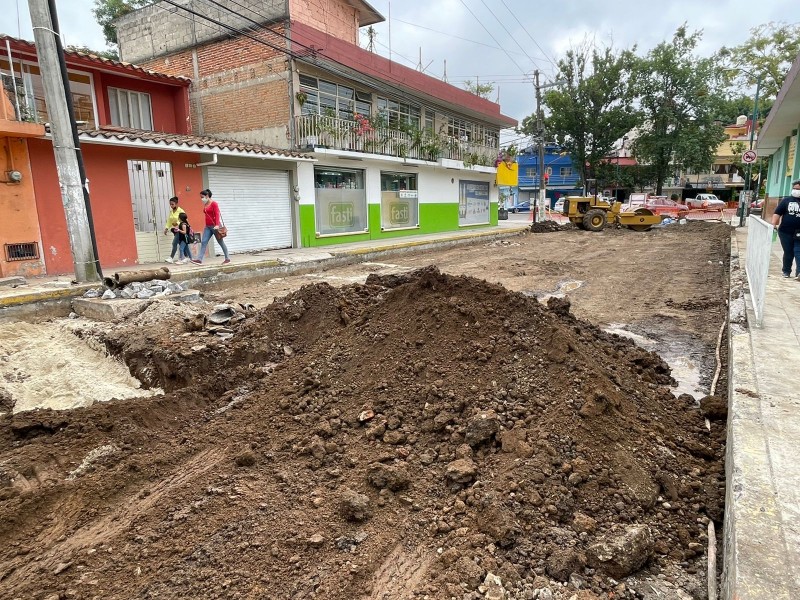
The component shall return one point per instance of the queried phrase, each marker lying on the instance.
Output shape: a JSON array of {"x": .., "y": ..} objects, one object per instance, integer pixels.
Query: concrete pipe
[{"x": 123, "y": 278}]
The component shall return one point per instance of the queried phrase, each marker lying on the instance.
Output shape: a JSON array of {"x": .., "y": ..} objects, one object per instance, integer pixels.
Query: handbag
[{"x": 221, "y": 231}]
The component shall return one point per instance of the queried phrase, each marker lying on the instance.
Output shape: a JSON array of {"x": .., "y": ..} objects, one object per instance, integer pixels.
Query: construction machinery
[{"x": 593, "y": 214}]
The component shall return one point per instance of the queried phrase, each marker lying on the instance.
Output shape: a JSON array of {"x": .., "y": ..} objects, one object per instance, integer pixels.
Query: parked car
[
  {"x": 756, "y": 206},
  {"x": 706, "y": 202},
  {"x": 659, "y": 205}
]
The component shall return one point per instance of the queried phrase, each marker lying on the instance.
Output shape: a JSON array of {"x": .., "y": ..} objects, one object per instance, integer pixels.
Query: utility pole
[
  {"x": 538, "y": 212},
  {"x": 65, "y": 145},
  {"x": 745, "y": 196}
]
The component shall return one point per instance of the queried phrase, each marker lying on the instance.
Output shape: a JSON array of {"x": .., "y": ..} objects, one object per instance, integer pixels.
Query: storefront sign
[
  {"x": 473, "y": 203},
  {"x": 790, "y": 156}
]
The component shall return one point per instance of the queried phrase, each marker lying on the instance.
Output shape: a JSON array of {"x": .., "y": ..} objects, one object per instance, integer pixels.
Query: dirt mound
[
  {"x": 403, "y": 438},
  {"x": 550, "y": 227}
]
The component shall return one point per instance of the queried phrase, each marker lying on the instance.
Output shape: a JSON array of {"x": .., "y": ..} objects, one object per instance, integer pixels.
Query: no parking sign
[{"x": 749, "y": 157}]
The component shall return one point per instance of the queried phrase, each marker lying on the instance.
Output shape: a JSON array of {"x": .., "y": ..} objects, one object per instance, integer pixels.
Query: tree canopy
[
  {"x": 594, "y": 106},
  {"x": 769, "y": 53},
  {"x": 105, "y": 11},
  {"x": 675, "y": 98}
]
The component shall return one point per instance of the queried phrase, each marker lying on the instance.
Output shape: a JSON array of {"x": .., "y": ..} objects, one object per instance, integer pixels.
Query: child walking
[{"x": 186, "y": 237}]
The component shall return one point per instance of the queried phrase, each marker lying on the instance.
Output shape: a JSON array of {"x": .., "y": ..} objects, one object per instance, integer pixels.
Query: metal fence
[{"x": 759, "y": 251}]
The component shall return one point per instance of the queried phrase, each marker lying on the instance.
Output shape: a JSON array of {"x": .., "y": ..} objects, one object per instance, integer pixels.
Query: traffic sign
[{"x": 749, "y": 157}]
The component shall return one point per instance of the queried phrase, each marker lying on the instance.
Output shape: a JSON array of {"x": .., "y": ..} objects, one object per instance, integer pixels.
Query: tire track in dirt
[{"x": 63, "y": 545}]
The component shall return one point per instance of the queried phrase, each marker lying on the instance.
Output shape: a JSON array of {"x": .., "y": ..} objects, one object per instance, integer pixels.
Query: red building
[{"x": 135, "y": 132}]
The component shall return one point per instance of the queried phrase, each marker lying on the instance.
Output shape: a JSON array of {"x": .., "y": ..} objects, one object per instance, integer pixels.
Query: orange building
[{"x": 138, "y": 151}]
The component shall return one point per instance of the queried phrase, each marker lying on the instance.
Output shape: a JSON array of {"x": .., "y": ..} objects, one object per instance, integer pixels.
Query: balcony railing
[{"x": 341, "y": 134}]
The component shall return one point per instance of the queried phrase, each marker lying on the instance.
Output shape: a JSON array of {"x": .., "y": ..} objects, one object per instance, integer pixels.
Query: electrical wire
[
  {"x": 457, "y": 37},
  {"x": 490, "y": 35},
  {"x": 496, "y": 18},
  {"x": 552, "y": 62}
]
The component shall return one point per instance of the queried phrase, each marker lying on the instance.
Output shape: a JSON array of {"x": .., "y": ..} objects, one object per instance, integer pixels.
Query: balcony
[
  {"x": 318, "y": 131},
  {"x": 15, "y": 123}
]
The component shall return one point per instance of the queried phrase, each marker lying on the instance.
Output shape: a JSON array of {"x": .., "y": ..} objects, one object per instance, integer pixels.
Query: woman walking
[
  {"x": 173, "y": 220},
  {"x": 213, "y": 225}
]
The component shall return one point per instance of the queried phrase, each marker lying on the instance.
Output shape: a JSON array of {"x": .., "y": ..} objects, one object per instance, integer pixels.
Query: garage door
[{"x": 255, "y": 206}]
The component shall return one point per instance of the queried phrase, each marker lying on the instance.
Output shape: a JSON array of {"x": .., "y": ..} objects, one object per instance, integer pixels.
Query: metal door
[{"x": 151, "y": 188}]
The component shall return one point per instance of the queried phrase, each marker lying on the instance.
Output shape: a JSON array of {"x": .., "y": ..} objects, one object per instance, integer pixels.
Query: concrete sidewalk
[
  {"x": 53, "y": 294},
  {"x": 762, "y": 518}
]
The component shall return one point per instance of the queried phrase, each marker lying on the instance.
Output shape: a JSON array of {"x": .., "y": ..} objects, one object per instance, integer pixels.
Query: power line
[
  {"x": 490, "y": 35},
  {"x": 496, "y": 18},
  {"x": 457, "y": 37},
  {"x": 552, "y": 62}
]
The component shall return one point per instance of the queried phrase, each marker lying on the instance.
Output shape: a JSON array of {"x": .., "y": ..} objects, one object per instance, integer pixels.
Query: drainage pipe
[{"x": 123, "y": 278}]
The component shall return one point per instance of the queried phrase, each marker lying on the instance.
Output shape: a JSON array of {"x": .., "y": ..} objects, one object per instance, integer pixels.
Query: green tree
[
  {"x": 594, "y": 106},
  {"x": 484, "y": 90},
  {"x": 769, "y": 52},
  {"x": 112, "y": 54},
  {"x": 105, "y": 11},
  {"x": 675, "y": 91}
]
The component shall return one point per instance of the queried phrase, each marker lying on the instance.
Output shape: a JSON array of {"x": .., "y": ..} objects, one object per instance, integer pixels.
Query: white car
[
  {"x": 559, "y": 206},
  {"x": 706, "y": 202}
]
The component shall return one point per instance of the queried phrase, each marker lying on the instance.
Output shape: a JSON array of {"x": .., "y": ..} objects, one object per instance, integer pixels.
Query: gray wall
[{"x": 161, "y": 28}]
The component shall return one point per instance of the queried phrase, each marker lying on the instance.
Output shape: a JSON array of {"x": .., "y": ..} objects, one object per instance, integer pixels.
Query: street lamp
[{"x": 746, "y": 192}]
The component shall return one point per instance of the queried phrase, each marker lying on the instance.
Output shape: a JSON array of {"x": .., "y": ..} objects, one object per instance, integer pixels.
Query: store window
[
  {"x": 341, "y": 201},
  {"x": 399, "y": 200},
  {"x": 130, "y": 109},
  {"x": 31, "y": 93},
  {"x": 399, "y": 113},
  {"x": 473, "y": 202},
  {"x": 327, "y": 98}
]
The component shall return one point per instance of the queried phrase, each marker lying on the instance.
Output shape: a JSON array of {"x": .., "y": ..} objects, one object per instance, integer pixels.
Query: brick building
[
  {"x": 138, "y": 150},
  {"x": 398, "y": 152}
]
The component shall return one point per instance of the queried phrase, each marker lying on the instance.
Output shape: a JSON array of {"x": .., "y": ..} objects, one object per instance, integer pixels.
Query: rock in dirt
[
  {"x": 583, "y": 523},
  {"x": 481, "y": 428},
  {"x": 462, "y": 470},
  {"x": 563, "y": 562},
  {"x": 715, "y": 408},
  {"x": 354, "y": 506},
  {"x": 619, "y": 555},
  {"x": 493, "y": 588},
  {"x": 393, "y": 477}
]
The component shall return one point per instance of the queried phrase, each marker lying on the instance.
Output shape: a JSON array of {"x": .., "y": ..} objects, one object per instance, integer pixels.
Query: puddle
[
  {"x": 677, "y": 354},
  {"x": 562, "y": 289}
]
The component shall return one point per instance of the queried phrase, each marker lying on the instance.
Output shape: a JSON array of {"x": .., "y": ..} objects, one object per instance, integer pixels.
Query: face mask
[{"x": 796, "y": 193}]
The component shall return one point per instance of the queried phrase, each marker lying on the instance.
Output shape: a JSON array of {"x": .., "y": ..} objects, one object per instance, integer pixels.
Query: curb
[{"x": 211, "y": 276}]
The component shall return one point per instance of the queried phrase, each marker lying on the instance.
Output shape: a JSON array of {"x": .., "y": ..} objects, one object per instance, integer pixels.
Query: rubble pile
[
  {"x": 143, "y": 290},
  {"x": 400, "y": 439}
]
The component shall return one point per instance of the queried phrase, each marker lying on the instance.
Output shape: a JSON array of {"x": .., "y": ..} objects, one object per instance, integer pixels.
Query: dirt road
[{"x": 418, "y": 436}]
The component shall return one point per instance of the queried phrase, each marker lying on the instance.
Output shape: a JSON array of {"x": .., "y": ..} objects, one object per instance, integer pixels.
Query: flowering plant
[{"x": 363, "y": 125}]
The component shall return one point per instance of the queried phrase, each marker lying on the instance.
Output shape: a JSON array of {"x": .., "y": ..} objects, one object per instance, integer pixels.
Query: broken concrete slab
[
  {"x": 110, "y": 311},
  {"x": 184, "y": 296},
  {"x": 12, "y": 281}
]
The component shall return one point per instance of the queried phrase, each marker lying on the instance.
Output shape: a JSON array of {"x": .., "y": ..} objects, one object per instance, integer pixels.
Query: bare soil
[{"x": 400, "y": 438}]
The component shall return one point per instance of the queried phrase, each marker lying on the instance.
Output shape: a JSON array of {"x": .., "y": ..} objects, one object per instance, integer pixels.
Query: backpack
[{"x": 189, "y": 233}]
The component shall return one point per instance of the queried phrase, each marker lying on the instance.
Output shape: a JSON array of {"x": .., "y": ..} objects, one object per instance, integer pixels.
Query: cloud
[{"x": 447, "y": 30}]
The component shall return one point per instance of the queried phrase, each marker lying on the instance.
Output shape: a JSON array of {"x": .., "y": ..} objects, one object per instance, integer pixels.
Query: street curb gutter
[
  {"x": 752, "y": 568},
  {"x": 55, "y": 303}
]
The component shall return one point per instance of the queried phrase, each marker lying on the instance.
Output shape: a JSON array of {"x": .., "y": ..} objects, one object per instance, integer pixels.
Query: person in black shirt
[{"x": 787, "y": 219}]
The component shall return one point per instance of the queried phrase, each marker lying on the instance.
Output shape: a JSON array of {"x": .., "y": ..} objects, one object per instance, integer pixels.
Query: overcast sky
[{"x": 499, "y": 41}]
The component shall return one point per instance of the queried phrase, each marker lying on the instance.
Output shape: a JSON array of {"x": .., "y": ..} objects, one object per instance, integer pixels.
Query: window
[
  {"x": 395, "y": 182},
  {"x": 459, "y": 129},
  {"x": 470, "y": 132},
  {"x": 331, "y": 99},
  {"x": 130, "y": 109},
  {"x": 565, "y": 171},
  {"x": 399, "y": 201},
  {"x": 341, "y": 201},
  {"x": 399, "y": 113},
  {"x": 31, "y": 94},
  {"x": 430, "y": 120}
]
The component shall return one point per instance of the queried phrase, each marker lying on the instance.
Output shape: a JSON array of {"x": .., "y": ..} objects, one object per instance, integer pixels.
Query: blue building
[{"x": 563, "y": 178}]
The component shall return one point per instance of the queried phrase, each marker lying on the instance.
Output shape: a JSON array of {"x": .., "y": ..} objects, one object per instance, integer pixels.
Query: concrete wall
[
  {"x": 107, "y": 172},
  {"x": 160, "y": 29},
  {"x": 20, "y": 221},
  {"x": 334, "y": 17}
]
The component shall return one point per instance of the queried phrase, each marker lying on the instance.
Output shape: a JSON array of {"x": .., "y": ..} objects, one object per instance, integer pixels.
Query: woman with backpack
[
  {"x": 214, "y": 227},
  {"x": 186, "y": 237}
]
